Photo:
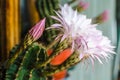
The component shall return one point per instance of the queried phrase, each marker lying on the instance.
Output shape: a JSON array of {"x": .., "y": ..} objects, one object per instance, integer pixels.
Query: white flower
[
  {"x": 98, "y": 47},
  {"x": 86, "y": 39}
]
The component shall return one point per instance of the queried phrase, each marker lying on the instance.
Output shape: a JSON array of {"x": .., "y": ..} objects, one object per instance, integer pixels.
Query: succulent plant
[{"x": 43, "y": 60}]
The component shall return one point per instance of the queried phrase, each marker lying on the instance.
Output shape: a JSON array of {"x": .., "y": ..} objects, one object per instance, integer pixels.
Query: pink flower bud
[
  {"x": 101, "y": 18},
  {"x": 83, "y": 5},
  {"x": 37, "y": 30},
  {"x": 105, "y": 15}
]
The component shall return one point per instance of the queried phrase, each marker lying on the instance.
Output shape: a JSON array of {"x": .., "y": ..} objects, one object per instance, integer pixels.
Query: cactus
[
  {"x": 30, "y": 59},
  {"x": 46, "y": 8},
  {"x": 33, "y": 63},
  {"x": 23, "y": 66}
]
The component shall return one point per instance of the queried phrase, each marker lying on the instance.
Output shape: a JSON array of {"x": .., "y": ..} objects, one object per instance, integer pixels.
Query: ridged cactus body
[
  {"x": 46, "y": 9},
  {"x": 34, "y": 63},
  {"x": 23, "y": 67}
]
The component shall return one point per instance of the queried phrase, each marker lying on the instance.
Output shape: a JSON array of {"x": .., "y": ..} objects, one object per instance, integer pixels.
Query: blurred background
[{"x": 18, "y": 16}]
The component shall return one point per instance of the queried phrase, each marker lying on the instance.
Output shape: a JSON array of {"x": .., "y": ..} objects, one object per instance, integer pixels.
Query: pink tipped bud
[
  {"x": 105, "y": 15},
  {"x": 34, "y": 33},
  {"x": 102, "y": 17},
  {"x": 37, "y": 30},
  {"x": 83, "y": 5}
]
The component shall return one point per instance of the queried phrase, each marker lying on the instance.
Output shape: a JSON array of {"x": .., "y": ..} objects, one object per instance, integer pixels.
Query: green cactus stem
[
  {"x": 14, "y": 50},
  {"x": 46, "y": 8},
  {"x": 13, "y": 67},
  {"x": 22, "y": 60},
  {"x": 28, "y": 62},
  {"x": 14, "y": 55}
]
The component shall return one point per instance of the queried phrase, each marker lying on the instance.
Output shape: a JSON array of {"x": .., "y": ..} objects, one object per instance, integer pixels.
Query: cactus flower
[
  {"x": 97, "y": 47},
  {"x": 84, "y": 36}
]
